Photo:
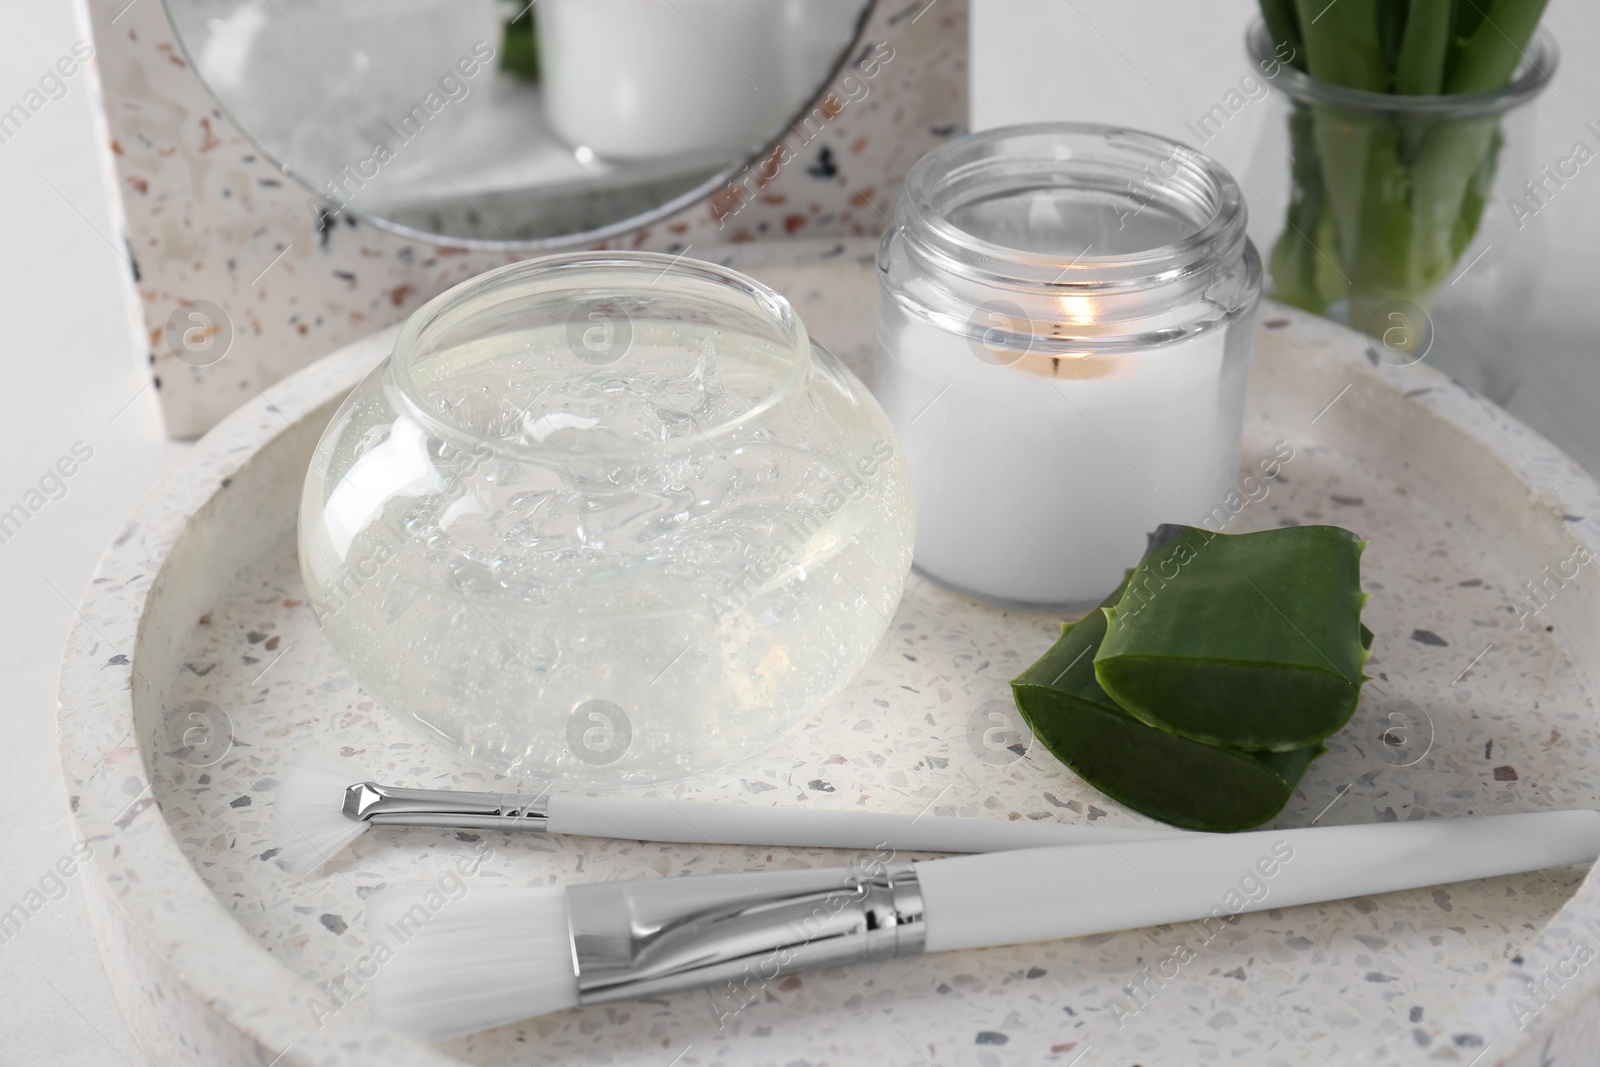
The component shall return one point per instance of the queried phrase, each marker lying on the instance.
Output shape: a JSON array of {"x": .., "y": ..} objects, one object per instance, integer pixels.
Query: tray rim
[{"x": 177, "y": 926}]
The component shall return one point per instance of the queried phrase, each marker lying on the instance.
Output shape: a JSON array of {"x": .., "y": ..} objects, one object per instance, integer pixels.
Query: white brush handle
[
  {"x": 975, "y": 901},
  {"x": 707, "y": 822}
]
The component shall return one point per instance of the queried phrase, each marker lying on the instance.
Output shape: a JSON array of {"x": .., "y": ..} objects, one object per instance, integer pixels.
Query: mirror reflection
[{"x": 498, "y": 121}]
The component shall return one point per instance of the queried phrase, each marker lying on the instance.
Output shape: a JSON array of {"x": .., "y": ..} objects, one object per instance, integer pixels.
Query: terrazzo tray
[{"x": 195, "y": 666}]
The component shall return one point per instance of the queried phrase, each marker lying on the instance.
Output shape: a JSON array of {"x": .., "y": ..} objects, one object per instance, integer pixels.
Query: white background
[
  {"x": 71, "y": 360},
  {"x": 72, "y": 372}
]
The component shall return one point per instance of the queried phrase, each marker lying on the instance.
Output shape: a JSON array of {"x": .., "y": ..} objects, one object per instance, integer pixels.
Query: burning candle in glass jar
[{"x": 1063, "y": 341}]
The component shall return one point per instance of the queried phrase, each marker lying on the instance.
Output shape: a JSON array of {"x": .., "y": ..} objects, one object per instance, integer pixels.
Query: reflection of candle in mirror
[
  {"x": 1048, "y": 432},
  {"x": 660, "y": 79}
]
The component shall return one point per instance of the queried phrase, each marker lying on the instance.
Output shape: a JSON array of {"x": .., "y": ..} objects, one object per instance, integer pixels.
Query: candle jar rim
[
  {"x": 1533, "y": 75},
  {"x": 663, "y": 277},
  {"x": 1072, "y": 156}
]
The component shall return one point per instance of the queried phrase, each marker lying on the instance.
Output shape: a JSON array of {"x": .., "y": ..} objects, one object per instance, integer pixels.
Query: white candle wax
[{"x": 1037, "y": 487}]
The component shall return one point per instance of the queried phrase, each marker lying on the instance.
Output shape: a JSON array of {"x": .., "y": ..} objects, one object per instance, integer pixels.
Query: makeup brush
[
  {"x": 494, "y": 956},
  {"x": 326, "y": 802}
]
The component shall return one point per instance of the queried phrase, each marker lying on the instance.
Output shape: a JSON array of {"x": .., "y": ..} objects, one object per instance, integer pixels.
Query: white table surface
[
  {"x": 72, "y": 373},
  {"x": 71, "y": 364}
]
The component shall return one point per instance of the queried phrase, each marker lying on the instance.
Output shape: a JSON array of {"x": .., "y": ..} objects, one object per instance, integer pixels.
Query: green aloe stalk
[
  {"x": 1424, "y": 48},
  {"x": 519, "y": 46},
  {"x": 1383, "y": 206},
  {"x": 1204, "y": 685},
  {"x": 1153, "y": 771},
  {"x": 1304, "y": 270},
  {"x": 1251, "y": 641}
]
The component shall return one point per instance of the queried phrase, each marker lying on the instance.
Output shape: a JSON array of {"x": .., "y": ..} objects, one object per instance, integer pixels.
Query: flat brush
[
  {"x": 326, "y": 802},
  {"x": 494, "y": 956}
]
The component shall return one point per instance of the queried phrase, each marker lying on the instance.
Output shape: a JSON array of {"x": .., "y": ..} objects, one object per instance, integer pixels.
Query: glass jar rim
[
  {"x": 1534, "y": 74},
  {"x": 651, "y": 268},
  {"x": 969, "y": 255}
]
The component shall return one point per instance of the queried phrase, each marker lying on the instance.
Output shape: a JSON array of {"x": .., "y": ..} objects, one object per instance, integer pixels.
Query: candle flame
[{"x": 1077, "y": 309}]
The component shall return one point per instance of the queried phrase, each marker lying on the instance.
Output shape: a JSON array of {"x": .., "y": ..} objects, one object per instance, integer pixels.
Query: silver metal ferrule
[
  {"x": 385, "y": 805},
  {"x": 639, "y": 938}
]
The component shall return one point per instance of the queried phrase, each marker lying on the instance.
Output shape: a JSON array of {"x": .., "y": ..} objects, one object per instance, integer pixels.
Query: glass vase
[{"x": 1406, "y": 217}]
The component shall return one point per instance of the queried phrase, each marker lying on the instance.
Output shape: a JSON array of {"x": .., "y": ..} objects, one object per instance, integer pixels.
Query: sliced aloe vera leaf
[
  {"x": 1249, "y": 641},
  {"x": 1159, "y": 774}
]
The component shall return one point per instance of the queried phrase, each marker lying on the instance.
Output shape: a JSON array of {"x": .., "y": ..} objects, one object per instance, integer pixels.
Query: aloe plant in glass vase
[{"x": 1401, "y": 163}]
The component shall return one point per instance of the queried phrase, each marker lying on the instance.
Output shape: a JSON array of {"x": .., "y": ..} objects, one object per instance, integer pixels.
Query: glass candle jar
[
  {"x": 609, "y": 517},
  {"x": 1064, "y": 329}
]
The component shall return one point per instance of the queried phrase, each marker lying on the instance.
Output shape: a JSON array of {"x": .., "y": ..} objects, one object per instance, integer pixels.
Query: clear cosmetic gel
[{"x": 608, "y": 518}]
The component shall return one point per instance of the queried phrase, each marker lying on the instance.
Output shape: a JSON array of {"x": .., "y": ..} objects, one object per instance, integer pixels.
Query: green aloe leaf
[
  {"x": 1344, "y": 43},
  {"x": 1302, "y": 257},
  {"x": 519, "y": 46},
  {"x": 1162, "y": 775},
  {"x": 1473, "y": 201},
  {"x": 1492, "y": 38},
  {"x": 1424, "y": 47},
  {"x": 1283, "y": 26},
  {"x": 1250, "y": 641}
]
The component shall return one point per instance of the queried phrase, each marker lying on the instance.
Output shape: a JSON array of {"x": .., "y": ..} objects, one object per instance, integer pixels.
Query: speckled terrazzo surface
[
  {"x": 1492, "y": 716},
  {"x": 1347, "y": 975}
]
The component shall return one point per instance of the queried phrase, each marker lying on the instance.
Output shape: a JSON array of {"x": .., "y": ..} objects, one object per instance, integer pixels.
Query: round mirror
[{"x": 554, "y": 122}]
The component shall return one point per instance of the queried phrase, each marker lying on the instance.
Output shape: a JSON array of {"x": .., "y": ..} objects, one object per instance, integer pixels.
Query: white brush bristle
[
  {"x": 309, "y": 815},
  {"x": 489, "y": 958}
]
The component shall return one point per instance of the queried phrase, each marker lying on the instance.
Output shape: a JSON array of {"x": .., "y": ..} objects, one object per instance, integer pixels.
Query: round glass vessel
[
  {"x": 1064, "y": 328},
  {"x": 606, "y": 516}
]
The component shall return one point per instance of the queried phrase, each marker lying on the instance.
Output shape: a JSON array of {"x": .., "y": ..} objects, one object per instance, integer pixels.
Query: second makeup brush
[
  {"x": 498, "y": 955},
  {"x": 326, "y": 802}
]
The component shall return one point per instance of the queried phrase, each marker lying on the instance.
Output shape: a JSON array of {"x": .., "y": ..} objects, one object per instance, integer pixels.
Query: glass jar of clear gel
[
  {"x": 610, "y": 518},
  {"x": 1064, "y": 325}
]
